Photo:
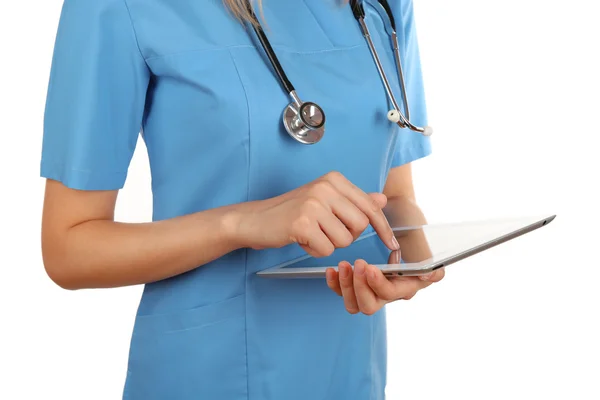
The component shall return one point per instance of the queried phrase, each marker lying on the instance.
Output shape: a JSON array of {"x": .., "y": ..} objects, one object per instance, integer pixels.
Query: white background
[{"x": 513, "y": 95}]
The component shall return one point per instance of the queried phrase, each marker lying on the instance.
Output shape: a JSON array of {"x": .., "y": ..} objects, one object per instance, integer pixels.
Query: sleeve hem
[
  {"x": 82, "y": 179},
  {"x": 410, "y": 154}
]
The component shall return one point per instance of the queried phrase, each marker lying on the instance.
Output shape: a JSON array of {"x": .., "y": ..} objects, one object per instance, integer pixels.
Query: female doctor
[{"x": 235, "y": 188}]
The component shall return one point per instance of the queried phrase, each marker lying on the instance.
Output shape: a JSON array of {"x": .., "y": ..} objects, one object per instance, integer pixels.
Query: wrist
[{"x": 237, "y": 225}]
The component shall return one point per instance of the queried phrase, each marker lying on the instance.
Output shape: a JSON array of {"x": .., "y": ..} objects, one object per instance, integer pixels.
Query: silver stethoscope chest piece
[{"x": 304, "y": 122}]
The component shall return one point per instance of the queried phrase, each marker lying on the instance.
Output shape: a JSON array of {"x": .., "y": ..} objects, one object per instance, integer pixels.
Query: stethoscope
[{"x": 305, "y": 121}]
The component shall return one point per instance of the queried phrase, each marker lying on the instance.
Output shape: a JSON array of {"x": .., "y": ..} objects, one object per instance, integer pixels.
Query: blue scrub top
[{"x": 209, "y": 104}]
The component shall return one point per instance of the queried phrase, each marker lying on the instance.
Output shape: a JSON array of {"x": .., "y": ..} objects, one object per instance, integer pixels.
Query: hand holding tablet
[{"x": 365, "y": 289}]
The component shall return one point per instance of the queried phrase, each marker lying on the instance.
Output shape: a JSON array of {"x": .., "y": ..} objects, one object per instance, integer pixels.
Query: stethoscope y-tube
[{"x": 305, "y": 121}]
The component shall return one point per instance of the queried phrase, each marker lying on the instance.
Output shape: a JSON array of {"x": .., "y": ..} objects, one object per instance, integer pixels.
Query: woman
[{"x": 233, "y": 192}]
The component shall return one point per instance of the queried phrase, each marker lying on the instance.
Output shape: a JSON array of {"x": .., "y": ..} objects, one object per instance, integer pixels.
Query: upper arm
[
  {"x": 65, "y": 208},
  {"x": 399, "y": 183},
  {"x": 94, "y": 108}
]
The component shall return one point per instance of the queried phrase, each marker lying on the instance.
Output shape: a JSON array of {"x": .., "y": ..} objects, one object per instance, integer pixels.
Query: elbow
[
  {"x": 62, "y": 273},
  {"x": 58, "y": 264},
  {"x": 67, "y": 284},
  {"x": 63, "y": 279}
]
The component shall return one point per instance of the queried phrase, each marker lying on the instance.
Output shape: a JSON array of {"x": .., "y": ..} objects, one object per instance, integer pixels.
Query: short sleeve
[
  {"x": 96, "y": 96},
  {"x": 410, "y": 145}
]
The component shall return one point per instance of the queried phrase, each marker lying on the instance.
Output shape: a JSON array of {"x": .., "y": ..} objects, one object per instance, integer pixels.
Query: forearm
[{"x": 103, "y": 253}]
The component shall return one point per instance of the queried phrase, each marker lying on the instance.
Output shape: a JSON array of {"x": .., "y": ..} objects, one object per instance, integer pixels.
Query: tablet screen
[{"x": 420, "y": 245}]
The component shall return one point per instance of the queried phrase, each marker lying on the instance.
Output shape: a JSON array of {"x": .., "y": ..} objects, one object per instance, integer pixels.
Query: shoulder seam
[{"x": 135, "y": 35}]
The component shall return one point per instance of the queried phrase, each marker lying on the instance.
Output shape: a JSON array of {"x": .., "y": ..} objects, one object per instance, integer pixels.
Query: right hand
[{"x": 320, "y": 216}]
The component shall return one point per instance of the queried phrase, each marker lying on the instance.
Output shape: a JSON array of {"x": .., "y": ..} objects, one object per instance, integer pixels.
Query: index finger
[{"x": 369, "y": 206}]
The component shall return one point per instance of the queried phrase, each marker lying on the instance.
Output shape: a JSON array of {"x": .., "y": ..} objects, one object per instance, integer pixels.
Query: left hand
[{"x": 365, "y": 289}]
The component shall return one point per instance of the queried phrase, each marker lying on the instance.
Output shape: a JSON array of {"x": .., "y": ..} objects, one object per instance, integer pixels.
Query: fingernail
[
  {"x": 372, "y": 273},
  {"x": 395, "y": 243},
  {"x": 396, "y": 258},
  {"x": 426, "y": 277},
  {"x": 359, "y": 269},
  {"x": 343, "y": 272},
  {"x": 329, "y": 275}
]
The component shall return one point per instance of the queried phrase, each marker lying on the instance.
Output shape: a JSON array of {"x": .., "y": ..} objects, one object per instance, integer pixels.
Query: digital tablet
[{"x": 423, "y": 249}]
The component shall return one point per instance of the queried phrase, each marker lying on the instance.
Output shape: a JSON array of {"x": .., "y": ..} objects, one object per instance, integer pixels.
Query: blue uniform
[{"x": 209, "y": 104}]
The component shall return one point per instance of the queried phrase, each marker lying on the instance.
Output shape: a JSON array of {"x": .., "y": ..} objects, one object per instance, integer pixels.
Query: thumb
[{"x": 380, "y": 199}]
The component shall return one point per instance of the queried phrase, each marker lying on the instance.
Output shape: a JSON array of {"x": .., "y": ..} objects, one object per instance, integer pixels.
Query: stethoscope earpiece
[{"x": 393, "y": 116}]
